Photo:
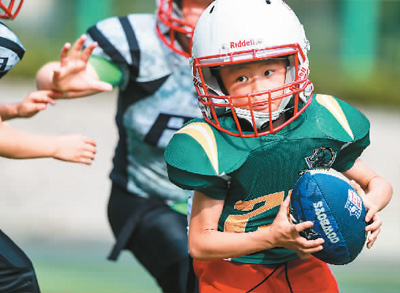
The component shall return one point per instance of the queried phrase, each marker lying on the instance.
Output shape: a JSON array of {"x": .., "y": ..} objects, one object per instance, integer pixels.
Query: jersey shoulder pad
[
  {"x": 338, "y": 119},
  {"x": 199, "y": 148},
  {"x": 11, "y": 49},
  {"x": 131, "y": 40}
]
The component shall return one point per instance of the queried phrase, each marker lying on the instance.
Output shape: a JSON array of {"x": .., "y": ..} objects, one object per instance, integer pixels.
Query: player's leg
[
  {"x": 228, "y": 276},
  {"x": 16, "y": 270},
  {"x": 310, "y": 275},
  {"x": 155, "y": 234}
]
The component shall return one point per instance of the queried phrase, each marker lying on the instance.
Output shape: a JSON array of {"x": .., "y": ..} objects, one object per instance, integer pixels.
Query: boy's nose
[{"x": 258, "y": 86}]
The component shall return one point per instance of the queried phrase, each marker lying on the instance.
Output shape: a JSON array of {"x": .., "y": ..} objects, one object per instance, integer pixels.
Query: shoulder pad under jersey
[
  {"x": 11, "y": 49},
  {"x": 132, "y": 41},
  {"x": 200, "y": 149},
  {"x": 336, "y": 119}
]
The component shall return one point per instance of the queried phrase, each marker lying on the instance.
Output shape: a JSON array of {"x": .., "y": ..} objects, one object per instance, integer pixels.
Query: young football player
[
  {"x": 146, "y": 57},
  {"x": 262, "y": 128},
  {"x": 16, "y": 270}
]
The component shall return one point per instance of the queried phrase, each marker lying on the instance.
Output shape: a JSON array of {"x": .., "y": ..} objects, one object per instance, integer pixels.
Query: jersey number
[{"x": 237, "y": 223}]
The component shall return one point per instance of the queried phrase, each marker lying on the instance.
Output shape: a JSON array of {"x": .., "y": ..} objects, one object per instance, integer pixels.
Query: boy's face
[{"x": 242, "y": 79}]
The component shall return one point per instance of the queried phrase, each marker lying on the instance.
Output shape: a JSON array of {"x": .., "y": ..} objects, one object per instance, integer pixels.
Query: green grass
[
  {"x": 81, "y": 267},
  {"x": 376, "y": 275}
]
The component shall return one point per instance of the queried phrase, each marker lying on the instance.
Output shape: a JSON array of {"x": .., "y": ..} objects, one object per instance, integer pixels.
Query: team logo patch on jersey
[
  {"x": 321, "y": 158},
  {"x": 354, "y": 204}
]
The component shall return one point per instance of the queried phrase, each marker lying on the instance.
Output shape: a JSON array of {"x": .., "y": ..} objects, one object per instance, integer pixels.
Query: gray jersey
[{"x": 157, "y": 97}]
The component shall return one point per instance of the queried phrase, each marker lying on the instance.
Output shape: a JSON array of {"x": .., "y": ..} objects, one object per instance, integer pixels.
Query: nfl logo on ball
[{"x": 354, "y": 204}]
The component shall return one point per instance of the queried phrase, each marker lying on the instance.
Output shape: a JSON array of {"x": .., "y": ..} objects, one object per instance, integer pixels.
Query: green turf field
[
  {"x": 82, "y": 268},
  {"x": 372, "y": 275}
]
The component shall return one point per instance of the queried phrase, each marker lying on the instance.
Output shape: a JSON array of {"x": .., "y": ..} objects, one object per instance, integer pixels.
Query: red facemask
[
  {"x": 170, "y": 23},
  {"x": 9, "y": 9}
]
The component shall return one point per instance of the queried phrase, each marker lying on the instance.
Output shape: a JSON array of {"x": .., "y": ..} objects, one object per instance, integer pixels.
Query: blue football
[{"x": 337, "y": 211}]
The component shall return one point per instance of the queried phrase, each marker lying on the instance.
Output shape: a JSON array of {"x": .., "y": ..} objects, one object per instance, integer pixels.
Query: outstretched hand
[
  {"x": 73, "y": 76},
  {"x": 287, "y": 234},
  {"x": 35, "y": 102}
]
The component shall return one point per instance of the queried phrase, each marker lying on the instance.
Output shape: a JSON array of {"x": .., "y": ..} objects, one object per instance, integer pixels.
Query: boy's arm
[
  {"x": 72, "y": 75},
  {"x": 376, "y": 192},
  {"x": 33, "y": 103},
  {"x": 17, "y": 144},
  {"x": 207, "y": 243}
]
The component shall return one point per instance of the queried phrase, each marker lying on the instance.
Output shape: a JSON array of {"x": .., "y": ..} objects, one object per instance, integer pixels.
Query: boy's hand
[
  {"x": 75, "y": 148},
  {"x": 35, "y": 102},
  {"x": 287, "y": 235},
  {"x": 74, "y": 77},
  {"x": 372, "y": 218}
]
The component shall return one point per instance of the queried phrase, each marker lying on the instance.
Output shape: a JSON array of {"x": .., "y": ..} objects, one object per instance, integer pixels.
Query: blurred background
[
  {"x": 355, "y": 44},
  {"x": 57, "y": 211}
]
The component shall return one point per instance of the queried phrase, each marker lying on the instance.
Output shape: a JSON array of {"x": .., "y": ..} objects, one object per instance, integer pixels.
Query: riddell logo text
[
  {"x": 303, "y": 72},
  {"x": 196, "y": 82},
  {"x": 242, "y": 44}
]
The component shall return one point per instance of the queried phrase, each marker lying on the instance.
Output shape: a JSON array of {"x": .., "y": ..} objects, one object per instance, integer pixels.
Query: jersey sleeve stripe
[
  {"x": 333, "y": 106},
  {"x": 106, "y": 45},
  {"x": 13, "y": 46},
  {"x": 203, "y": 134},
  {"x": 132, "y": 42}
]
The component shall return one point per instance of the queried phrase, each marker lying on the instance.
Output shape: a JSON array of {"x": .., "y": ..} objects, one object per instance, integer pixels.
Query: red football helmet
[
  {"x": 9, "y": 9},
  {"x": 170, "y": 22}
]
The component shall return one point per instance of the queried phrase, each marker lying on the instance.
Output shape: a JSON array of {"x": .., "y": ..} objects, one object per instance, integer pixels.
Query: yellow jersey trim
[
  {"x": 204, "y": 135},
  {"x": 333, "y": 106}
]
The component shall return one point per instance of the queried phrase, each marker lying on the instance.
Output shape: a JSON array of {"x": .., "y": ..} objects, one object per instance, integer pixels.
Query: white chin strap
[{"x": 262, "y": 118}]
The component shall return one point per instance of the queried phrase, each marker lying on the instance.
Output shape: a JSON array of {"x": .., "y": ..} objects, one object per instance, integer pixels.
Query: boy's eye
[
  {"x": 241, "y": 78},
  {"x": 268, "y": 73}
]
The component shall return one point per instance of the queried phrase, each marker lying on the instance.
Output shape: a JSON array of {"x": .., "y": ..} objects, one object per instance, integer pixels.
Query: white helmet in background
[{"x": 239, "y": 31}]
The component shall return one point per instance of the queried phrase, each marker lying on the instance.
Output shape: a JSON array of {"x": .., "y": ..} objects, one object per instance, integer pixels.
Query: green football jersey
[{"x": 254, "y": 175}]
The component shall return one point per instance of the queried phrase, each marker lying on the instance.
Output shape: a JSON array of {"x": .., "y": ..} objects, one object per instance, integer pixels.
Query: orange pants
[{"x": 310, "y": 275}]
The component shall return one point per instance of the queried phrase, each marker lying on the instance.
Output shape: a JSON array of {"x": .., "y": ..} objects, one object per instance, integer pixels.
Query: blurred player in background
[
  {"x": 262, "y": 128},
  {"x": 16, "y": 270},
  {"x": 146, "y": 57}
]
